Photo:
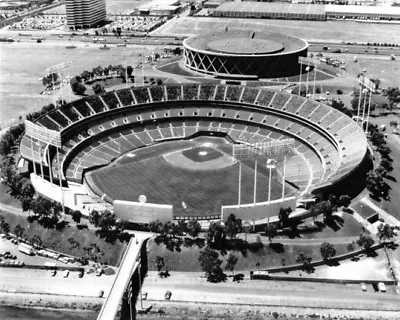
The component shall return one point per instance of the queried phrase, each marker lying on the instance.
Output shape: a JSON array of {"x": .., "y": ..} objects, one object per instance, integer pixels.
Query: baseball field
[{"x": 196, "y": 176}]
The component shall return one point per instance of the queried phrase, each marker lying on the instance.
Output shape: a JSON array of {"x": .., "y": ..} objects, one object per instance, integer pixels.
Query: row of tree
[{"x": 376, "y": 180}]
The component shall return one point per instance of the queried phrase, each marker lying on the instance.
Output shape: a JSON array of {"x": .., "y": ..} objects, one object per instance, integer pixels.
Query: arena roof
[
  {"x": 241, "y": 42},
  {"x": 270, "y": 7}
]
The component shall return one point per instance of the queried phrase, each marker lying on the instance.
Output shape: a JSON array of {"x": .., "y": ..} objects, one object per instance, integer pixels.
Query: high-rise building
[{"x": 85, "y": 13}]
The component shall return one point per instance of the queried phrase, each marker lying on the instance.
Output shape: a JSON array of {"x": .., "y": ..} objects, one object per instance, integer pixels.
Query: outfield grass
[
  {"x": 202, "y": 191},
  {"x": 187, "y": 259},
  {"x": 58, "y": 240}
]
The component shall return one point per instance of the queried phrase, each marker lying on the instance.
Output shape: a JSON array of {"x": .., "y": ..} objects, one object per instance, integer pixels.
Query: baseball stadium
[
  {"x": 244, "y": 54},
  {"x": 175, "y": 143}
]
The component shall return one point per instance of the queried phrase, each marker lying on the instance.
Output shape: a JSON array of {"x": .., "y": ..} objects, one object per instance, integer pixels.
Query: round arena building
[{"x": 244, "y": 54}]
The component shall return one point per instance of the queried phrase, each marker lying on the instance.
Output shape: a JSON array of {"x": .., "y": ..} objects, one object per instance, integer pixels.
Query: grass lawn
[
  {"x": 349, "y": 227},
  {"x": 187, "y": 259},
  {"x": 58, "y": 240},
  {"x": 5, "y": 198}
]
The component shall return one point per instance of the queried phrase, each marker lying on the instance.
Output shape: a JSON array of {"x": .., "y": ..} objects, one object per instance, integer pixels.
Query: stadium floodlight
[
  {"x": 59, "y": 68},
  {"x": 308, "y": 62},
  {"x": 273, "y": 150}
]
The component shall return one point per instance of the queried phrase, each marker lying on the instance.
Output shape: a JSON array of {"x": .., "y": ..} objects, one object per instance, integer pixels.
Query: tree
[
  {"x": 386, "y": 164},
  {"x": 47, "y": 213},
  {"x": 386, "y": 232},
  {"x": 177, "y": 51},
  {"x": 365, "y": 241},
  {"x": 93, "y": 252},
  {"x": 344, "y": 200},
  {"x": 233, "y": 226},
  {"x": 231, "y": 263},
  {"x": 377, "y": 186},
  {"x": 284, "y": 216},
  {"x": 211, "y": 265},
  {"x": 98, "y": 89},
  {"x": 327, "y": 250},
  {"x": 156, "y": 226},
  {"x": 393, "y": 94},
  {"x": 36, "y": 241},
  {"x": 129, "y": 70},
  {"x": 76, "y": 216},
  {"x": 4, "y": 226},
  {"x": 378, "y": 138},
  {"x": 271, "y": 231},
  {"x": 74, "y": 244},
  {"x": 193, "y": 228},
  {"x": 76, "y": 85},
  {"x": 306, "y": 262},
  {"x": 384, "y": 150},
  {"x": 85, "y": 75},
  {"x": 19, "y": 231},
  {"x": 159, "y": 261},
  {"x": 216, "y": 234},
  {"x": 94, "y": 218}
]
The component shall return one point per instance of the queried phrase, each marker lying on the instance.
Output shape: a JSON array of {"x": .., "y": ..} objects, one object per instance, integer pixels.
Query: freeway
[
  {"x": 69, "y": 38},
  {"x": 193, "y": 287}
]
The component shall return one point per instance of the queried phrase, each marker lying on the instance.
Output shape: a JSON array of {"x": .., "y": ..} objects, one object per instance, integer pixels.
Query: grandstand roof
[
  {"x": 363, "y": 9},
  {"x": 244, "y": 43},
  {"x": 270, "y": 7}
]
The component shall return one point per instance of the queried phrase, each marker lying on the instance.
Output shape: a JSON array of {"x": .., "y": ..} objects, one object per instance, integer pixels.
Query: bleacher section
[{"x": 97, "y": 129}]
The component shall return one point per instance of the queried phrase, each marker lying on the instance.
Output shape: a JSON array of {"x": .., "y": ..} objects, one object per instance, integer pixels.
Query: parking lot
[{"x": 12, "y": 247}]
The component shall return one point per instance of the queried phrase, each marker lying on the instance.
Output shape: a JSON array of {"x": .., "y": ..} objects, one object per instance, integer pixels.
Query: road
[
  {"x": 41, "y": 282},
  {"x": 192, "y": 287},
  {"x": 68, "y": 38}
]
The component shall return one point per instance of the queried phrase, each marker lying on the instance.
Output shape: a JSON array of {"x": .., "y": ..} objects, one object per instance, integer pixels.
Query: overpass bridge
[{"x": 129, "y": 277}]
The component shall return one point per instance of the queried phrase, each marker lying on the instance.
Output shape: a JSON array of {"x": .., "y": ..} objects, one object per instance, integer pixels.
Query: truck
[{"x": 25, "y": 248}]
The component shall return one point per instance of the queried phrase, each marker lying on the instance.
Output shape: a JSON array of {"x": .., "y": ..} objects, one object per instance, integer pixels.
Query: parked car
[
  {"x": 101, "y": 293},
  {"x": 53, "y": 272},
  {"x": 382, "y": 287},
  {"x": 80, "y": 274},
  {"x": 66, "y": 274},
  {"x": 99, "y": 272}
]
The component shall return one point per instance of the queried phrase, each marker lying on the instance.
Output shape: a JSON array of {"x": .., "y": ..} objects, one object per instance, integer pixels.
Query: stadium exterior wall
[
  {"x": 53, "y": 191},
  {"x": 260, "y": 66},
  {"x": 261, "y": 210},
  {"x": 200, "y": 58}
]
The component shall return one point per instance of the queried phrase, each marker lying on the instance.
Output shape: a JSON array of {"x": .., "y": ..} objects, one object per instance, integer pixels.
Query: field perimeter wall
[
  {"x": 259, "y": 211},
  {"x": 142, "y": 212}
]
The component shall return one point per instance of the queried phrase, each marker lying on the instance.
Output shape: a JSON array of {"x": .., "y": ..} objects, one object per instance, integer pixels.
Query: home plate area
[{"x": 203, "y": 157}]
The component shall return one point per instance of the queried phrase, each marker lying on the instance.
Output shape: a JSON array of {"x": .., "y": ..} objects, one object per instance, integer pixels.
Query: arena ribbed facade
[{"x": 244, "y": 54}]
